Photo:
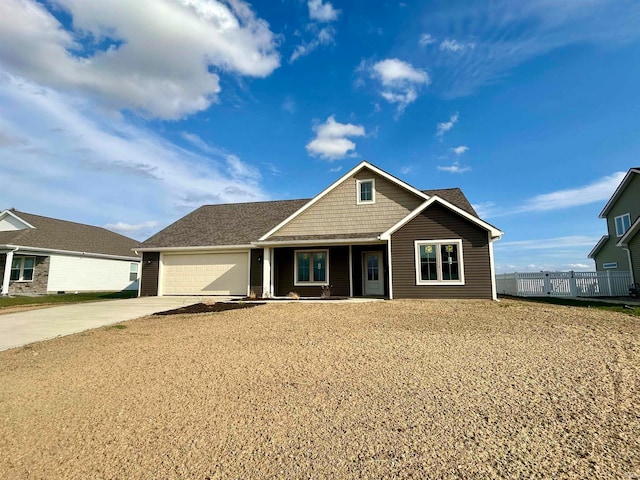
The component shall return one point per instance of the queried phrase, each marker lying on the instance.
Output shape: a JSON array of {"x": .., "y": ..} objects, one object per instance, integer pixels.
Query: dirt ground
[{"x": 402, "y": 389}]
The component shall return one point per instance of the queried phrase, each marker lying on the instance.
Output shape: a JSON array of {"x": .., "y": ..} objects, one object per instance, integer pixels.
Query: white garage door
[{"x": 206, "y": 274}]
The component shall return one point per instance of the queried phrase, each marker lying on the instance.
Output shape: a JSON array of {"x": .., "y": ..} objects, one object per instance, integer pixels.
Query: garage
[{"x": 205, "y": 274}]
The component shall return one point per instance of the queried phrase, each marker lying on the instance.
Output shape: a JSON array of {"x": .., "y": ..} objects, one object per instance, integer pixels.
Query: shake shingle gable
[{"x": 55, "y": 234}]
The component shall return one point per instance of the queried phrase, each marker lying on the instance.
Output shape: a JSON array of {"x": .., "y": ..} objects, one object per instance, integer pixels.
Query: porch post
[
  {"x": 350, "y": 271},
  {"x": 7, "y": 273},
  {"x": 266, "y": 273}
]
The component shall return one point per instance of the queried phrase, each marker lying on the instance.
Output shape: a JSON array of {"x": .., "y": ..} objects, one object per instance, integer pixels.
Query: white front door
[{"x": 373, "y": 273}]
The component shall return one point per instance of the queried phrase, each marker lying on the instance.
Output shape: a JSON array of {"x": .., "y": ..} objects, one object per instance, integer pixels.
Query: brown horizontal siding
[
  {"x": 255, "y": 270},
  {"x": 150, "y": 269},
  {"x": 338, "y": 272},
  {"x": 438, "y": 222}
]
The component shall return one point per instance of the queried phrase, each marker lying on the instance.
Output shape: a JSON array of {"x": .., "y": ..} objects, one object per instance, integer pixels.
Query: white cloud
[
  {"x": 400, "y": 81},
  {"x": 336, "y": 169},
  {"x": 460, "y": 150},
  {"x": 320, "y": 37},
  {"x": 331, "y": 140},
  {"x": 426, "y": 39},
  {"x": 555, "y": 243},
  {"x": 406, "y": 170},
  {"x": 108, "y": 169},
  {"x": 289, "y": 105},
  {"x": 444, "y": 127},
  {"x": 580, "y": 266},
  {"x": 455, "y": 46},
  {"x": 455, "y": 168},
  {"x": 545, "y": 254},
  {"x": 510, "y": 33},
  {"x": 322, "y": 11},
  {"x": 484, "y": 209},
  {"x": 235, "y": 167},
  {"x": 128, "y": 229},
  {"x": 598, "y": 191},
  {"x": 159, "y": 68}
]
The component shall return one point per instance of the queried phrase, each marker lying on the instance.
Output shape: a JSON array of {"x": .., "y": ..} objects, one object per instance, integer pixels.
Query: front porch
[{"x": 360, "y": 270}]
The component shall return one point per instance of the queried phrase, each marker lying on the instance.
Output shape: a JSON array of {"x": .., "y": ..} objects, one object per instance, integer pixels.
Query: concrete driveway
[{"x": 22, "y": 328}]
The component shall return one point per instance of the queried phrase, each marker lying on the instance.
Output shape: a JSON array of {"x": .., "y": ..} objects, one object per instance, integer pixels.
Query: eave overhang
[
  {"x": 629, "y": 234},
  {"x": 25, "y": 249},
  {"x": 200, "y": 248},
  {"x": 623, "y": 184},
  {"x": 594, "y": 251}
]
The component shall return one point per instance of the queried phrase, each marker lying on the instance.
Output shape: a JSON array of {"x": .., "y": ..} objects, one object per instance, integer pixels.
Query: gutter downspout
[
  {"x": 7, "y": 271},
  {"x": 630, "y": 264}
]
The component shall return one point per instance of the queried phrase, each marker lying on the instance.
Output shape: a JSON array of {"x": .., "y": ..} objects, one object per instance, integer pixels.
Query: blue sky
[{"x": 131, "y": 114}]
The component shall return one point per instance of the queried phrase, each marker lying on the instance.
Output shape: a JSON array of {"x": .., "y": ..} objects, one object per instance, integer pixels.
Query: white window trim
[
  {"x": 438, "y": 242},
  {"x": 21, "y": 278},
  {"x": 610, "y": 265},
  {"x": 373, "y": 191},
  {"x": 615, "y": 221},
  {"x": 137, "y": 271},
  {"x": 295, "y": 268}
]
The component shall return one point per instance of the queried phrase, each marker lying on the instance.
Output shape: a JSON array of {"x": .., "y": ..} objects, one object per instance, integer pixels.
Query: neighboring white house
[{"x": 41, "y": 255}]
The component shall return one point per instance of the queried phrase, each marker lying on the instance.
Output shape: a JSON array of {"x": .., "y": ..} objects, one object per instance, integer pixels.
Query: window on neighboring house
[
  {"x": 439, "y": 262},
  {"x": 610, "y": 265},
  {"x": 133, "y": 272},
  {"x": 311, "y": 267},
  {"x": 22, "y": 269},
  {"x": 366, "y": 191},
  {"x": 623, "y": 223}
]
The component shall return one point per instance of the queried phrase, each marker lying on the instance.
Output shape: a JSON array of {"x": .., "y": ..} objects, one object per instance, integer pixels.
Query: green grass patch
[
  {"x": 64, "y": 298},
  {"x": 117, "y": 327},
  {"x": 570, "y": 302}
]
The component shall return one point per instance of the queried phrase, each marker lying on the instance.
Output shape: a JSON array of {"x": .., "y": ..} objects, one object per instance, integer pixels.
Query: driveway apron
[{"x": 22, "y": 328}]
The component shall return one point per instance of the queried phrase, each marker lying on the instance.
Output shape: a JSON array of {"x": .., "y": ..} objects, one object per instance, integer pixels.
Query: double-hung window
[
  {"x": 623, "y": 223},
  {"x": 22, "y": 269},
  {"x": 311, "y": 267},
  {"x": 133, "y": 272},
  {"x": 439, "y": 262},
  {"x": 366, "y": 191}
]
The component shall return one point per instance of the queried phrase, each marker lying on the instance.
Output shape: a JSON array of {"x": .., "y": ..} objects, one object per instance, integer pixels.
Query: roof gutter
[
  {"x": 328, "y": 241},
  {"x": 70, "y": 252},
  {"x": 194, "y": 249}
]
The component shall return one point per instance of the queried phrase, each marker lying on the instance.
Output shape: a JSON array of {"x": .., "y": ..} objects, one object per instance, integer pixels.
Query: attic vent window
[{"x": 366, "y": 191}]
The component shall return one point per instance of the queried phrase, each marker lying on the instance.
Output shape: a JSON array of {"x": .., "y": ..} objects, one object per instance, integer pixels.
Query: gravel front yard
[{"x": 387, "y": 389}]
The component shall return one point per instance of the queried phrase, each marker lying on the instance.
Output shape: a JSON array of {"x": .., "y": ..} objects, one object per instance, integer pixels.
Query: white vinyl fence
[{"x": 564, "y": 284}]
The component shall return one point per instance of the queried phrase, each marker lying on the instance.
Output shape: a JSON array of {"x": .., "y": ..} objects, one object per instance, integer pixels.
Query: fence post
[
  {"x": 609, "y": 293},
  {"x": 573, "y": 288},
  {"x": 517, "y": 278},
  {"x": 547, "y": 283}
]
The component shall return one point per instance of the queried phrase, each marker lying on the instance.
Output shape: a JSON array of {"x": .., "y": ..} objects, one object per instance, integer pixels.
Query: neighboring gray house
[
  {"x": 41, "y": 255},
  {"x": 367, "y": 234},
  {"x": 619, "y": 249}
]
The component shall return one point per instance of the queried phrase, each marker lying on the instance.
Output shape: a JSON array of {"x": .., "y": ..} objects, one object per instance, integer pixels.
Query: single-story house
[
  {"x": 367, "y": 234},
  {"x": 40, "y": 255}
]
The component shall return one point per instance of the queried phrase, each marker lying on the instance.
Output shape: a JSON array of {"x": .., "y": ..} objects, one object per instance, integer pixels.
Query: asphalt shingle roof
[
  {"x": 243, "y": 223},
  {"x": 454, "y": 196},
  {"x": 55, "y": 234},
  {"x": 225, "y": 224}
]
